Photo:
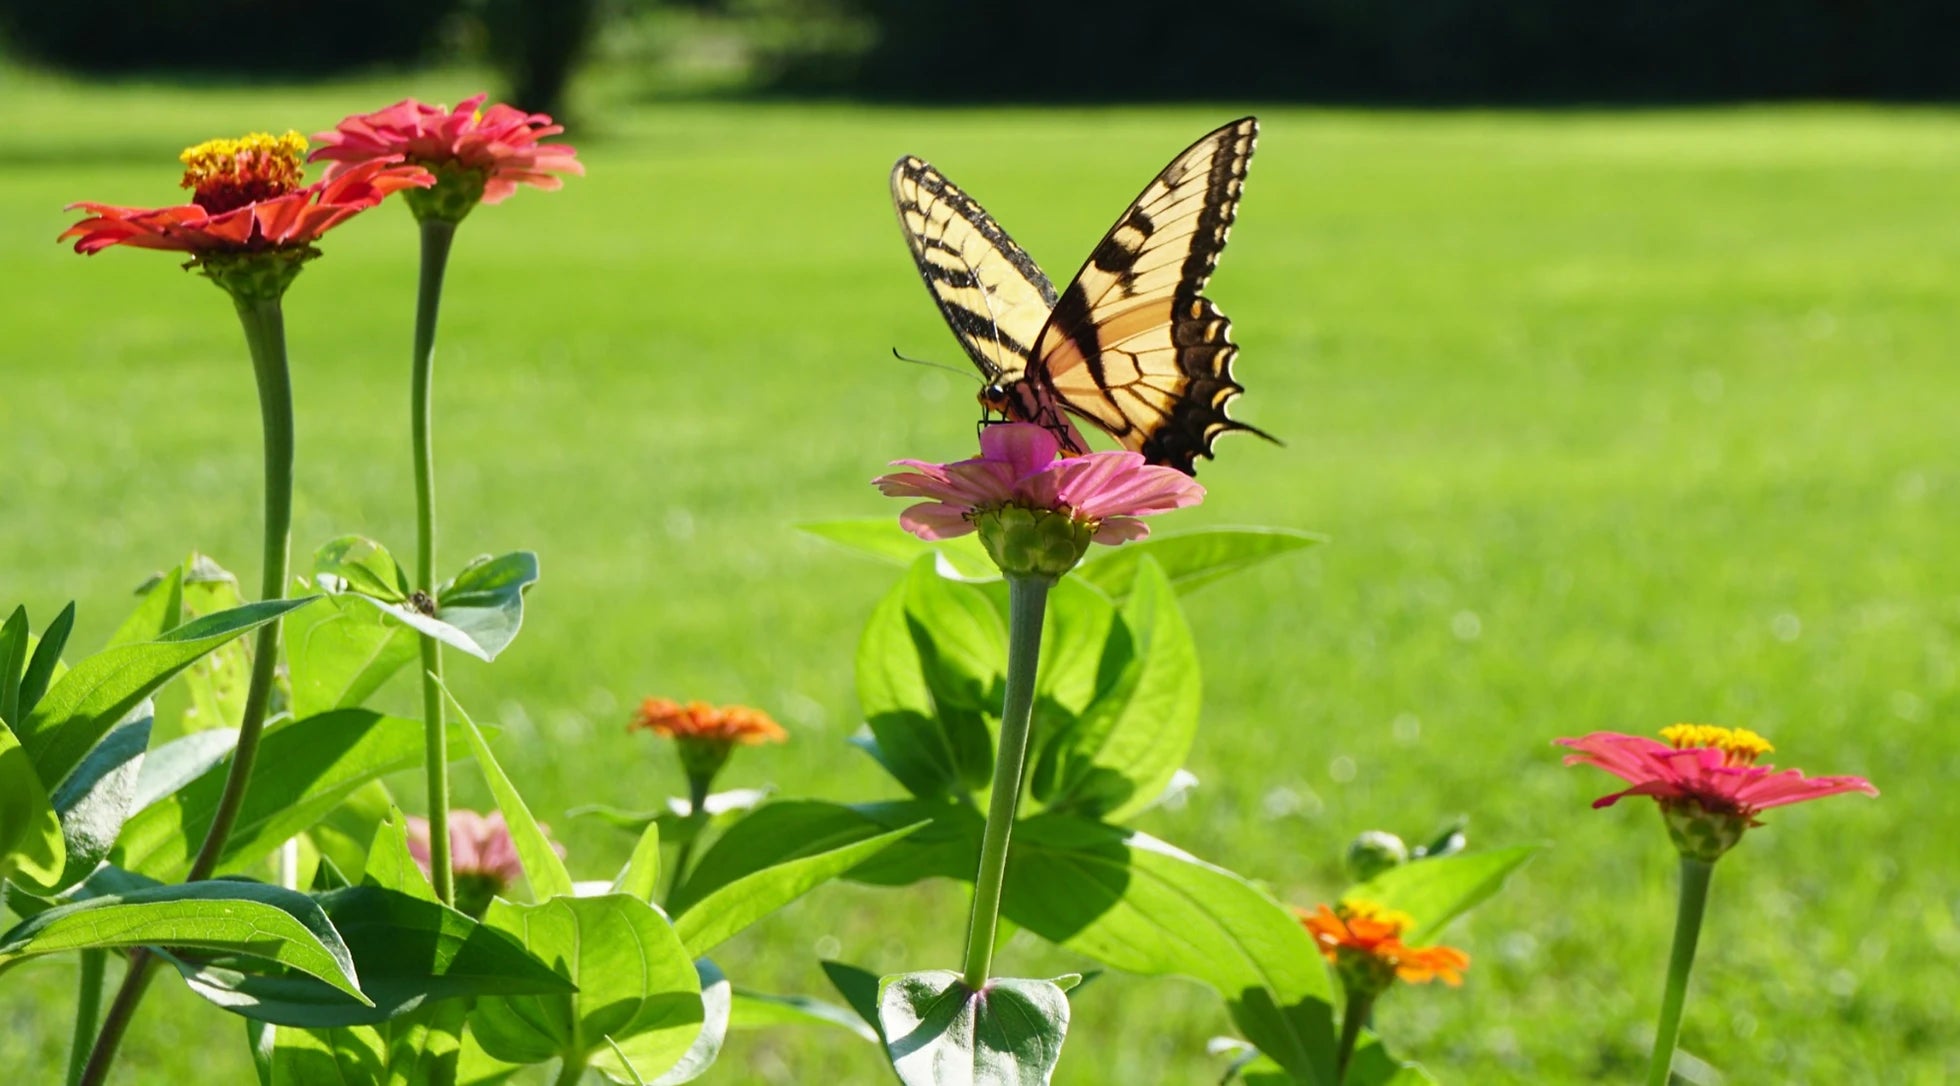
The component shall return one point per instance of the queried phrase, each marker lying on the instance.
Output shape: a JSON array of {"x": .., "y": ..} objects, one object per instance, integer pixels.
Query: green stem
[
  {"x": 1359, "y": 1006},
  {"x": 697, "y": 803},
  {"x": 1687, "y": 930},
  {"x": 88, "y": 1011},
  {"x": 1027, "y": 601},
  {"x": 570, "y": 1072},
  {"x": 436, "y": 237},
  {"x": 265, "y": 336}
]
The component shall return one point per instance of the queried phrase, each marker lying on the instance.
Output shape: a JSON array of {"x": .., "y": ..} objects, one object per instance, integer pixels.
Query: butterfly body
[{"x": 1131, "y": 345}]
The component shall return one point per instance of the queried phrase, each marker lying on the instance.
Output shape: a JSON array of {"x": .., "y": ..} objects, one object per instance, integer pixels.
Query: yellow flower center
[
  {"x": 229, "y": 174},
  {"x": 1356, "y": 909},
  {"x": 1739, "y": 746}
]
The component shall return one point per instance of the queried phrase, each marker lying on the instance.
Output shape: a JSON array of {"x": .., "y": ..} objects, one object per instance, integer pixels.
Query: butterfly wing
[
  {"x": 993, "y": 295},
  {"x": 1133, "y": 345}
]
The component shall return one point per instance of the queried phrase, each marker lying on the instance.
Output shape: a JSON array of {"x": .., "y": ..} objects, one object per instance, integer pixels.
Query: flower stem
[
  {"x": 1687, "y": 930},
  {"x": 88, "y": 1011},
  {"x": 265, "y": 336},
  {"x": 1359, "y": 1006},
  {"x": 697, "y": 803},
  {"x": 570, "y": 1072},
  {"x": 436, "y": 237},
  {"x": 1027, "y": 602}
]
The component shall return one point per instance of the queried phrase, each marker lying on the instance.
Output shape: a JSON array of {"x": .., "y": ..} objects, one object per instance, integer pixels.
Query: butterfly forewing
[
  {"x": 1132, "y": 345},
  {"x": 990, "y": 291}
]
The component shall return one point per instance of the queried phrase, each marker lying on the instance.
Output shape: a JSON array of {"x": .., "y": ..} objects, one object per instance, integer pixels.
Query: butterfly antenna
[{"x": 963, "y": 371}]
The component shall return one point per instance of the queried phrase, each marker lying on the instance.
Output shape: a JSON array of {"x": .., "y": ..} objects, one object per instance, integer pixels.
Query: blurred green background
[{"x": 1615, "y": 418}]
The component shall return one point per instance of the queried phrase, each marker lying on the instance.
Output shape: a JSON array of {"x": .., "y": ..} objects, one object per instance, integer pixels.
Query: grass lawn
[{"x": 1615, "y": 420}]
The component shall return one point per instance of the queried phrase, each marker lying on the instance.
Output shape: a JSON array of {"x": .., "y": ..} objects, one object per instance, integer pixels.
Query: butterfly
[{"x": 1132, "y": 345}]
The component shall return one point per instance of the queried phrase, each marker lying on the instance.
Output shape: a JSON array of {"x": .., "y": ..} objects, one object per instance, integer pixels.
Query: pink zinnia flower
[
  {"x": 1705, "y": 778},
  {"x": 1105, "y": 491},
  {"x": 247, "y": 199},
  {"x": 481, "y": 854},
  {"x": 498, "y": 145}
]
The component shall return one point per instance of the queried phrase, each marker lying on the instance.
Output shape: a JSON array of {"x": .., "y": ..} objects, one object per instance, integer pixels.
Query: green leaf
[
  {"x": 409, "y": 950},
  {"x": 636, "y": 985},
  {"x": 43, "y": 668},
  {"x": 1436, "y": 891},
  {"x": 223, "y": 916},
  {"x": 940, "y": 1032},
  {"x": 390, "y": 865},
  {"x": 86, "y": 702},
  {"x": 341, "y": 651},
  {"x": 219, "y": 682},
  {"x": 716, "y": 1001},
  {"x": 97, "y": 797},
  {"x": 416, "y": 1049},
  {"x": 345, "y": 835},
  {"x": 1130, "y": 741},
  {"x": 859, "y": 987},
  {"x": 640, "y": 877},
  {"x": 1135, "y": 903},
  {"x": 1373, "y": 1065},
  {"x": 677, "y": 826},
  {"x": 485, "y": 602},
  {"x": 1075, "y": 661},
  {"x": 365, "y": 566},
  {"x": 31, "y": 845},
  {"x": 1194, "y": 559},
  {"x": 761, "y": 1010},
  {"x": 159, "y": 609},
  {"x": 961, "y": 558},
  {"x": 925, "y": 671},
  {"x": 14, "y": 634},
  {"x": 304, "y": 771},
  {"x": 542, "y": 868},
  {"x": 774, "y": 856}
]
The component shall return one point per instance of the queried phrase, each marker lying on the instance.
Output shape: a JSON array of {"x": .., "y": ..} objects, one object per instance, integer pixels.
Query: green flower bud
[
  {"x": 457, "y": 191},
  {"x": 1032, "y": 542},
  {"x": 261, "y": 276},
  {"x": 1700, "y": 833},
  {"x": 1374, "y": 852}
]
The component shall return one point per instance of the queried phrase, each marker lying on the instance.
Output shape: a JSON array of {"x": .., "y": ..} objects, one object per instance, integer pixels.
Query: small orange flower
[
  {"x": 1364, "y": 941},
  {"x": 732, "y": 725}
]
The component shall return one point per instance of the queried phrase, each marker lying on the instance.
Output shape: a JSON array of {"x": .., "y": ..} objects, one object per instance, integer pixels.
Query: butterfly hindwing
[
  {"x": 991, "y": 292},
  {"x": 1133, "y": 345}
]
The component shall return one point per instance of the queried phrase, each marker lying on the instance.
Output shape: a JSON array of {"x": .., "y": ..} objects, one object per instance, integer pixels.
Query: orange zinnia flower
[
  {"x": 247, "y": 198},
  {"x": 1364, "y": 941},
  {"x": 731, "y": 725},
  {"x": 705, "y": 735}
]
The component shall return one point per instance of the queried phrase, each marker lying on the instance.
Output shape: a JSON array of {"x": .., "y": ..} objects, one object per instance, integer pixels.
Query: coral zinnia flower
[
  {"x": 480, "y": 155},
  {"x": 247, "y": 197},
  {"x": 1364, "y": 941},
  {"x": 1098, "y": 497},
  {"x": 705, "y": 734},
  {"x": 1705, "y": 778},
  {"x": 732, "y": 724},
  {"x": 481, "y": 853}
]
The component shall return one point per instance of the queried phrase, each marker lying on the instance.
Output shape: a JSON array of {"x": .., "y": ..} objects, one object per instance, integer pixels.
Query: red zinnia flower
[
  {"x": 484, "y": 154},
  {"x": 247, "y": 199},
  {"x": 1710, "y": 766},
  {"x": 1364, "y": 941},
  {"x": 1705, "y": 778}
]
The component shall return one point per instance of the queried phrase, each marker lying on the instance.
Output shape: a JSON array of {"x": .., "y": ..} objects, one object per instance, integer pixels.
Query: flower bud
[
  {"x": 1700, "y": 833},
  {"x": 1027, "y": 542},
  {"x": 1374, "y": 852}
]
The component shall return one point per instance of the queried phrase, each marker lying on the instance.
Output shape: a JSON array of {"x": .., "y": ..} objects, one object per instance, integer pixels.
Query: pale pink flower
[
  {"x": 1712, "y": 767},
  {"x": 480, "y": 847},
  {"x": 1017, "y": 466},
  {"x": 500, "y": 143}
]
